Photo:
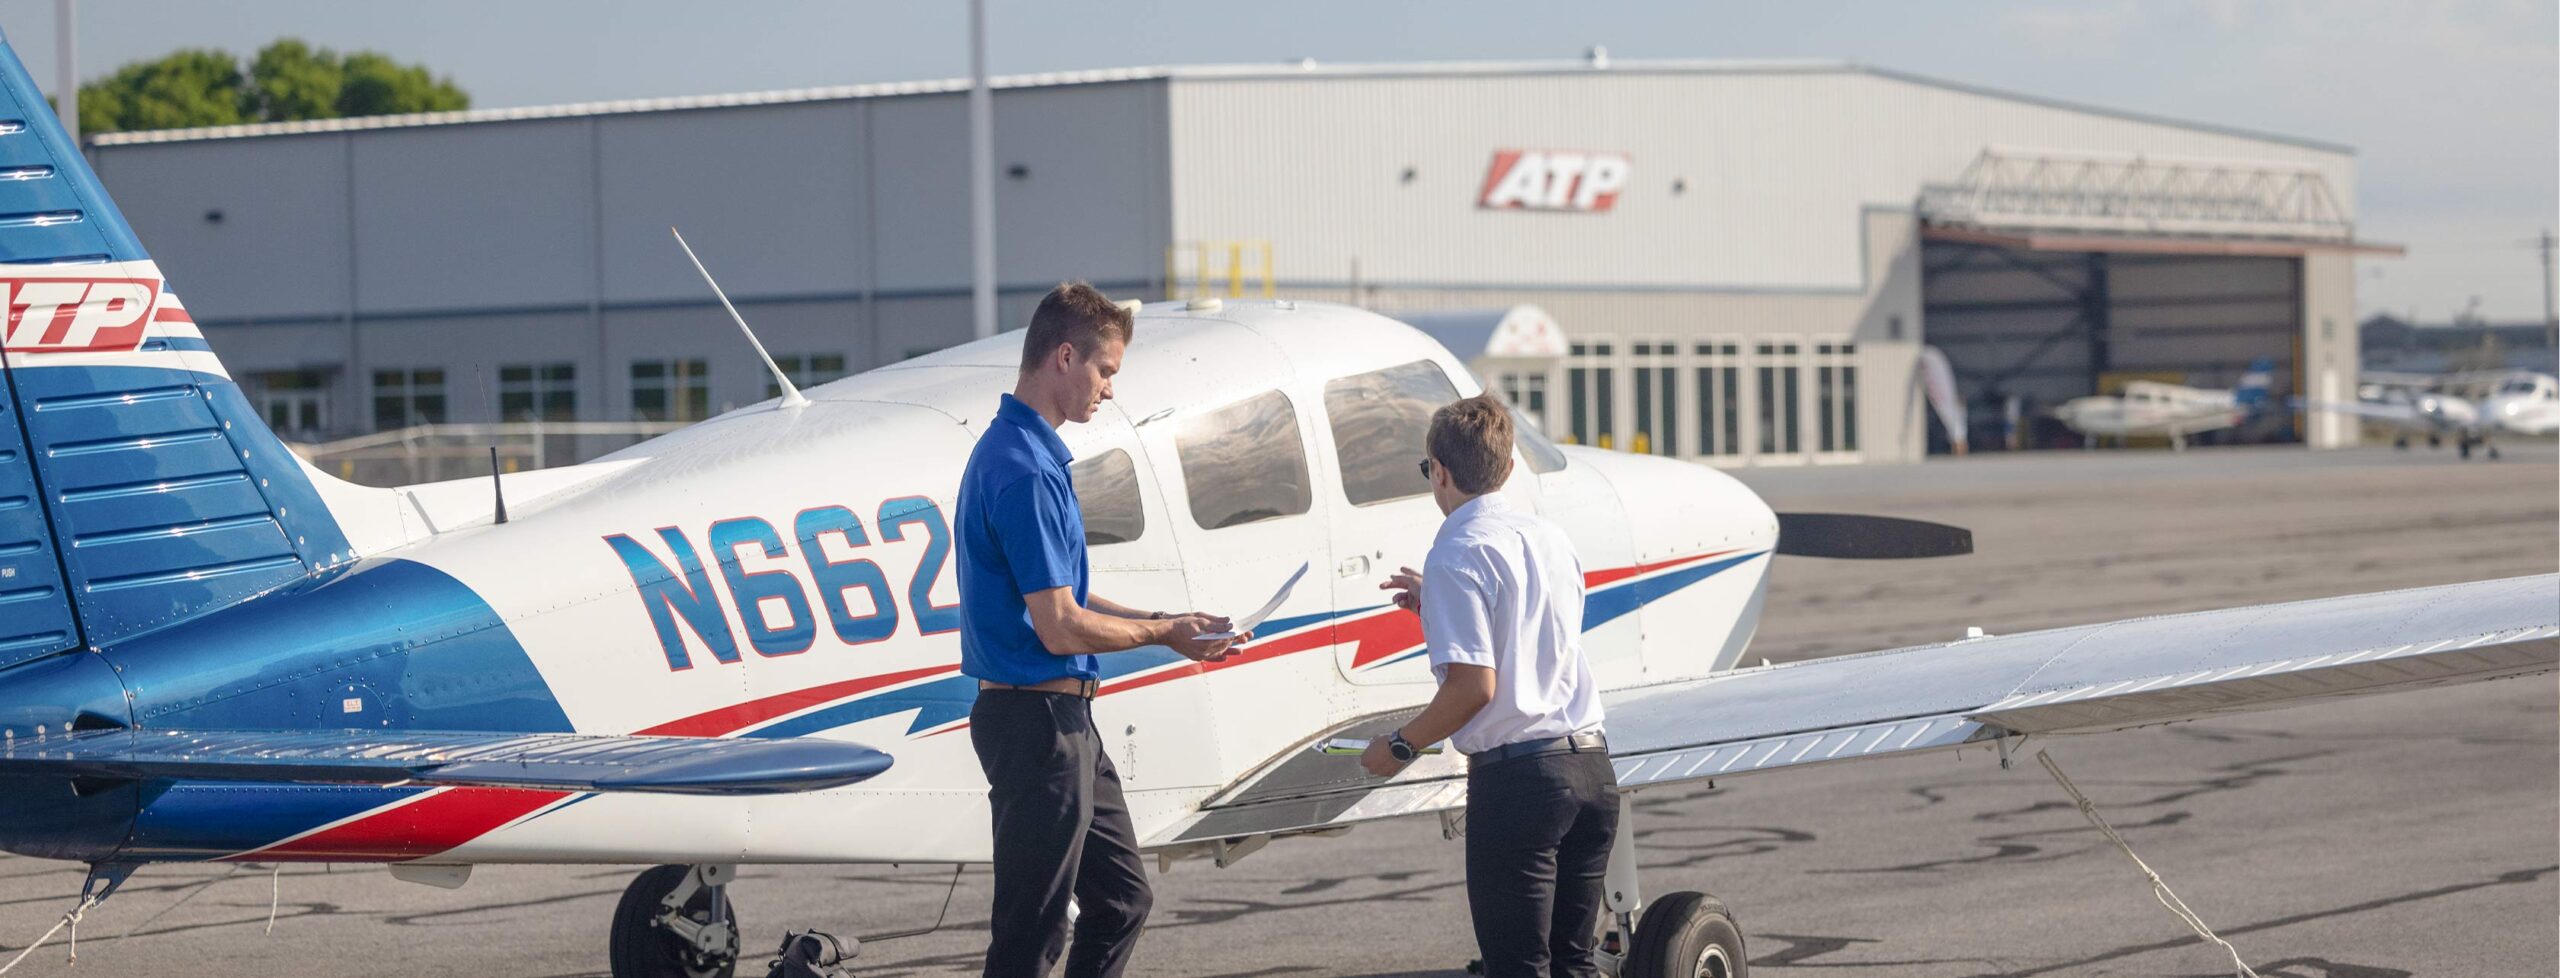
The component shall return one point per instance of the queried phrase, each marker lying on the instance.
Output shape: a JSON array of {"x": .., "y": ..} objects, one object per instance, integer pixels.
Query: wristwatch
[{"x": 1400, "y": 748}]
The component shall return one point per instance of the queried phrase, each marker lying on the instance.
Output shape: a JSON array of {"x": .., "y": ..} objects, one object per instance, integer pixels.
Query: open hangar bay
[{"x": 2400, "y": 836}]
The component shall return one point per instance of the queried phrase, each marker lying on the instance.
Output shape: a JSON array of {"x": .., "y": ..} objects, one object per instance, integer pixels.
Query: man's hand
[
  {"x": 1189, "y": 638},
  {"x": 1407, "y": 583},
  {"x": 1379, "y": 760}
]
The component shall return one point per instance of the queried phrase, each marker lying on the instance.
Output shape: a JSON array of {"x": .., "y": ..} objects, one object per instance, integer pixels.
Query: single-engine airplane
[
  {"x": 735, "y": 643},
  {"x": 2149, "y": 408},
  {"x": 2521, "y": 403}
]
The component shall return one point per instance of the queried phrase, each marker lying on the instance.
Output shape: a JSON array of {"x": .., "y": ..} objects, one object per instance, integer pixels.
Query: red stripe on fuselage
[
  {"x": 1600, "y": 577},
  {"x": 423, "y": 826}
]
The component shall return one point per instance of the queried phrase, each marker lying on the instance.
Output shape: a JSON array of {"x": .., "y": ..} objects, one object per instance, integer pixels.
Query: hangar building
[{"x": 1744, "y": 258}]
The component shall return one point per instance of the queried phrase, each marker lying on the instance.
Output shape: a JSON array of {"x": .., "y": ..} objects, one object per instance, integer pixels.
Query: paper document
[
  {"x": 1254, "y": 620},
  {"x": 1347, "y": 745}
]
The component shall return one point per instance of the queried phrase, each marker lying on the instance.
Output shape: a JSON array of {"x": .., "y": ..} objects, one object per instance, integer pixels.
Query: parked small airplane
[
  {"x": 2522, "y": 403},
  {"x": 735, "y": 643},
  {"x": 2152, "y": 409}
]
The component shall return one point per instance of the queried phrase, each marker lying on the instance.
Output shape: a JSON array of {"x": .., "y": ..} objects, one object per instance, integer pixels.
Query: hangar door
[{"x": 2048, "y": 326}]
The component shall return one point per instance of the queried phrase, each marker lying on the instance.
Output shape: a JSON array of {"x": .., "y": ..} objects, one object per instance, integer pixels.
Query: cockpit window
[
  {"x": 1380, "y": 420},
  {"x": 2517, "y": 385},
  {"x": 1107, "y": 492},
  {"x": 1543, "y": 455},
  {"x": 1245, "y": 463}
]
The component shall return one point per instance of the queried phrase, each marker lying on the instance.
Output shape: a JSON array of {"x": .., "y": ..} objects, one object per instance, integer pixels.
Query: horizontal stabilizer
[{"x": 557, "y": 762}]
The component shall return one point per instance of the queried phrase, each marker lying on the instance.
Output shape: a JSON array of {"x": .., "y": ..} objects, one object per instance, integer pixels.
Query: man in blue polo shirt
[{"x": 1029, "y": 633}]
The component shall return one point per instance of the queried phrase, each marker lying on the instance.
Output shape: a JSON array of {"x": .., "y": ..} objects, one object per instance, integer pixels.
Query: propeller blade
[{"x": 1850, "y": 536}]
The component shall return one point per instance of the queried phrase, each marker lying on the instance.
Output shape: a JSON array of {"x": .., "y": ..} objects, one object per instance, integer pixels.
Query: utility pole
[
  {"x": 982, "y": 179},
  {"x": 2550, "y": 318},
  {"x": 66, "y": 85}
]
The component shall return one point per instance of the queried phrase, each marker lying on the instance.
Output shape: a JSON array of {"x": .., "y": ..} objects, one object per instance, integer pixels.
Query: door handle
[{"x": 1353, "y": 566}]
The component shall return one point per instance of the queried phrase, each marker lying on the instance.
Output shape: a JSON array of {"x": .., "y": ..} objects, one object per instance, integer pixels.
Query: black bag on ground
[{"x": 810, "y": 954}]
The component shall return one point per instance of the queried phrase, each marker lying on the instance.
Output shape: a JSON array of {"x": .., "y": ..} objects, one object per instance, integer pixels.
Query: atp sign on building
[{"x": 1553, "y": 180}]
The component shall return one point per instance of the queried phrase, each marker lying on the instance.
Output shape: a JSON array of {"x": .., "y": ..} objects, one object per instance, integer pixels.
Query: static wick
[{"x": 791, "y": 396}]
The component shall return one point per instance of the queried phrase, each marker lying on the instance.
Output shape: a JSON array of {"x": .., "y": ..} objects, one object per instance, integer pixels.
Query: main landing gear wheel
[
  {"x": 1686, "y": 935},
  {"x": 676, "y": 922}
]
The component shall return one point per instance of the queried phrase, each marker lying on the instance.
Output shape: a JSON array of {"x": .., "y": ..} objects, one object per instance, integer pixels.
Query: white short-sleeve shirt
[{"x": 1502, "y": 588}]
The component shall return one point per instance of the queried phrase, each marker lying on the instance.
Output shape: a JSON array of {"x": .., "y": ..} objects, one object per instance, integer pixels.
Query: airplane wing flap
[{"x": 565, "y": 762}]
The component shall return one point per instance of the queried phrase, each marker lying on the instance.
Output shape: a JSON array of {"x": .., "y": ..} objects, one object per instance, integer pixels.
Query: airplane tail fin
[
  {"x": 138, "y": 487},
  {"x": 2251, "y": 395}
]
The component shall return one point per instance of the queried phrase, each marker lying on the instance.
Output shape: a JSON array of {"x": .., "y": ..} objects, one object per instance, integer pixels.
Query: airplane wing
[
  {"x": 2089, "y": 679},
  {"x": 570, "y": 762},
  {"x": 2377, "y": 410}
]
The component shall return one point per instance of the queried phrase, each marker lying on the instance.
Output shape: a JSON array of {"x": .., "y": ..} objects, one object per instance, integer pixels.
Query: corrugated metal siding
[{"x": 1776, "y": 166}]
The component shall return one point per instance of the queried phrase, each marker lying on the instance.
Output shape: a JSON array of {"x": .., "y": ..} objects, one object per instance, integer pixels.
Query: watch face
[{"x": 1402, "y": 751}]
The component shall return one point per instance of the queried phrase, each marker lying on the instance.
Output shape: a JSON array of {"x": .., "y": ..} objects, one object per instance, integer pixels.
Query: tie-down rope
[
  {"x": 2159, "y": 888},
  {"x": 71, "y": 920}
]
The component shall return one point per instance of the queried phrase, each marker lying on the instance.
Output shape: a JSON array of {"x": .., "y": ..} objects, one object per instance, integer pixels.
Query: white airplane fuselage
[
  {"x": 2151, "y": 409},
  {"x": 788, "y": 572}
]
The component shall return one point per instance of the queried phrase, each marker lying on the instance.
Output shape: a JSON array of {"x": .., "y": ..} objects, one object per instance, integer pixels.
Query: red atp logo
[{"x": 75, "y": 315}]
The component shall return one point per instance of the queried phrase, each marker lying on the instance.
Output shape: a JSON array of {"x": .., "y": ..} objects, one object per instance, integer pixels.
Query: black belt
[{"x": 1585, "y": 742}]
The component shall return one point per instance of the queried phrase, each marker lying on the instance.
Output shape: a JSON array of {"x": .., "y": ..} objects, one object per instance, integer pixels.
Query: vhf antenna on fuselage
[{"x": 791, "y": 396}]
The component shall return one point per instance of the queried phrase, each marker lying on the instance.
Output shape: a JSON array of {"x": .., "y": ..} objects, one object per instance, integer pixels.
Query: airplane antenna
[
  {"x": 497, "y": 486},
  {"x": 791, "y": 396}
]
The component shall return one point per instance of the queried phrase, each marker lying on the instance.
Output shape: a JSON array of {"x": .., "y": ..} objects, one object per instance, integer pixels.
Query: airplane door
[
  {"x": 1132, "y": 546},
  {"x": 1384, "y": 516}
]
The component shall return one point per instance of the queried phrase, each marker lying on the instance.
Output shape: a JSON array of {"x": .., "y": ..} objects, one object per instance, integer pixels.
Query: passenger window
[
  {"x": 1244, "y": 463},
  {"x": 1543, "y": 455},
  {"x": 1379, "y": 423},
  {"x": 1107, "y": 492}
]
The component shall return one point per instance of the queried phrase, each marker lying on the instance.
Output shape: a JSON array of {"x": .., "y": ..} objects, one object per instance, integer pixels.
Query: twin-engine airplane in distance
[
  {"x": 736, "y": 643},
  {"x": 2151, "y": 409},
  {"x": 2521, "y": 403}
]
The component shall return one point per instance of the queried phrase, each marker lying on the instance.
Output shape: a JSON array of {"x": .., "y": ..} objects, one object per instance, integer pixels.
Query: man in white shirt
[{"x": 1501, "y": 603}]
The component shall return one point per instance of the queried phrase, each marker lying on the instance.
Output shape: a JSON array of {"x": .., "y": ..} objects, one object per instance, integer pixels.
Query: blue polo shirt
[{"x": 1020, "y": 532}]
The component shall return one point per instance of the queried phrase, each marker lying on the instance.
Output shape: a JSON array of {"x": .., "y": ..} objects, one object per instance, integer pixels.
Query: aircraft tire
[
  {"x": 1686, "y": 935},
  {"x": 638, "y": 948}
]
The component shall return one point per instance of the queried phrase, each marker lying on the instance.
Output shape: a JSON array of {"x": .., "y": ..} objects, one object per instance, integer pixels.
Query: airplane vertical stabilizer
[{"x": 138, "y": 487}]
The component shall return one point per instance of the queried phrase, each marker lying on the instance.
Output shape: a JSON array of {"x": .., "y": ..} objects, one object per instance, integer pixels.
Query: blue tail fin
[
  {"x": 2251, "y": 395},
  {"x": 137, "y": 485}
]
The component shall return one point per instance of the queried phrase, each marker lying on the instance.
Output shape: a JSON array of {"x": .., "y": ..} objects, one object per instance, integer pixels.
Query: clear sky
[{"x": 2452, "y": 105}]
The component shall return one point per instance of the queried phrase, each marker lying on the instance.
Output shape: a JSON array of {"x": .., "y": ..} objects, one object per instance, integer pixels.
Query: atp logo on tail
[{"x": 78, "y": 315}]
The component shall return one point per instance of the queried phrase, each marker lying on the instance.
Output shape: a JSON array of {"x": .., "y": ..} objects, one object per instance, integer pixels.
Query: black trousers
[
  {"x": 1539, "y": 830},
  {"x": 1061, "y": 828}
]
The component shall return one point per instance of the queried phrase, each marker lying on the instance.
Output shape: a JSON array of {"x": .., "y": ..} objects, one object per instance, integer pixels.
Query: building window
[
  {"x": 1526, "y": 391},
  {"x": 1591, "y": 385},
  {"x": 1657, "y": 399},
  {"x": 1379, "y": 421},
  {"x": 1107, "y": 494},
  {"x": 538, "y": 392},
  {"x": 1835, "y": 369},
  {"x": 294, "y": 402},
  {"x": 1718, "y": 379},
  {"x": 1245, "y": 463},
  {"x": 402, "y": 398},
  {"x": 670, "y": 390},
  {"x": 1780, "y": 379},
  {"x": 806, "y": 371}
]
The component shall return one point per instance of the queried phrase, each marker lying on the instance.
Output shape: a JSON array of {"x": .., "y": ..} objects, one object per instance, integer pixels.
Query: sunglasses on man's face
[{"x": 1426, "y": 469}]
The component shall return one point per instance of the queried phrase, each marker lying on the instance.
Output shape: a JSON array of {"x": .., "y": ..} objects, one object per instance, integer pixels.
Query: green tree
[
  {"x": 193, "y": 87},
  {"x": 288, "y": 81}
]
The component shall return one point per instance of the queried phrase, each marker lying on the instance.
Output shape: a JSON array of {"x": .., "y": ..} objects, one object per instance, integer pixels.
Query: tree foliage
[{"x": 288, "y": 81}]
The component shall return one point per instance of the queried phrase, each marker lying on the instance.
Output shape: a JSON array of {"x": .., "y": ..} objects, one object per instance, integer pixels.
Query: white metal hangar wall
[
  {"x": 377, "y": 273},
  {"x": 1746, "y": 256},
  {"x": 1756, "y": 283}
]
